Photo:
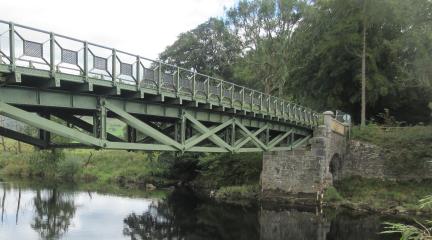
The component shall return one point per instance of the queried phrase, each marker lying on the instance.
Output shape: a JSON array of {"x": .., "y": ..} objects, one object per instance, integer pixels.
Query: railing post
[
  {"x": 243, "y": 97},
  {"x": 138, "y": 72},
  {"x": 178, "y": 81},
  {"x": 283, "y": 109},
  {"x": 252, "y": 95},
  {"x": 159, "y": 80},
  {"x": 52, "y": 54},
  {"x": 232, "y": 95},
  {"x": 12, "y": 45},
  {"x": 268, "y": 104},
  {"x": 86, "y": 68},
  {"x": 114, "y": 66},
  {"x": 194, "y": 86},
  {"x": 208, "y": 88},
  {"x": 220, "y": 92},
  {"x": 261, "y": 102}
]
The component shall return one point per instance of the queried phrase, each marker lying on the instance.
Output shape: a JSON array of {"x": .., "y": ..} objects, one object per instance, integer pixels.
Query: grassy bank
[
  {"x": 232, "y": 177},
  {"x": 101, "y": 167},
  {"x": 408, "y": 155},
  {"x": 226, "y": 175},
  {"x": 379, "y": 195}
]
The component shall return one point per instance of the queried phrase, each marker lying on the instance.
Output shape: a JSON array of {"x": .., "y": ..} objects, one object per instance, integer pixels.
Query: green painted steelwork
[{"x": 171, "y": 108}]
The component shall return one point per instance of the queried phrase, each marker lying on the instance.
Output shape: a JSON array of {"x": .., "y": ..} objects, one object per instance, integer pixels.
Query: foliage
[
  {"x": 69, "y": 167},
  {"x": 422, "y": 231},
  {"x": 384, "y": 194},
  {"x": 230, "y": 169},
  {"x": 311, "y": 51},
  {"x": 45, "y": 163},
  {"x": 209, "y": 48},
  {"x": 329, "y": 53},
  {"x": 332, "y": 195},
  {"x": 266, "y": 29},
  {"x": 410, "y": 232}
]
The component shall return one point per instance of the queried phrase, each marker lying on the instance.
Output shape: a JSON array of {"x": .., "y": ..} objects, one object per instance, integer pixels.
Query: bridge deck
[{"x": 51, "y": 75}]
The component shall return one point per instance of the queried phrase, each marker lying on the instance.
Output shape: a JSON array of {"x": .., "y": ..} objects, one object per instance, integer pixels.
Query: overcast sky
[{"x": 143, "y": 27}]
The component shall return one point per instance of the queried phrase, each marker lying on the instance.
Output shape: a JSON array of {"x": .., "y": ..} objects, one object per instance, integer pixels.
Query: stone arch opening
[{"x": 336, "y": 167}]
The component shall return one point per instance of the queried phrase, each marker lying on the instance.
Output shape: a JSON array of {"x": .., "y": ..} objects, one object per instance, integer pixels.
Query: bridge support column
[{"x": 305, "y": 171}]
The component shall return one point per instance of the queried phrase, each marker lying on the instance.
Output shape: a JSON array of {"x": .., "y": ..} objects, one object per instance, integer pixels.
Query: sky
[{"x": 142, "y": 27}]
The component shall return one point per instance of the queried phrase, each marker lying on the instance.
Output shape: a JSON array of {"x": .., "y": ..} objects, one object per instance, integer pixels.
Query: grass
[
  {"x": 86, "y": 166},
  {"x": 332, "y": 195}
]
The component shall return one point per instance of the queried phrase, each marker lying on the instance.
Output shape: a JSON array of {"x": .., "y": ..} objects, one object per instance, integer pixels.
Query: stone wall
[
  {"x": 370, "y": 161},
  {"x": 297, "y": 171}
]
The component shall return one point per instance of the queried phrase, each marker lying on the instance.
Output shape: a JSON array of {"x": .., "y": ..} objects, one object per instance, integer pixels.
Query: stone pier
[{"x": 310, "y": 169}]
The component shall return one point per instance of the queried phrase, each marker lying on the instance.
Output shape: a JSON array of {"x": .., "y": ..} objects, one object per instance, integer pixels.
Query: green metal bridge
[{"x": 71, "y": 88}]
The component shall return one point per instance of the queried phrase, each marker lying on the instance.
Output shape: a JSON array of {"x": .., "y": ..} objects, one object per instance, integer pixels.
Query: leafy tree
[
  {"x": 330, "y": 49},
  {"x": 209, "y": 49},
  {"x": 266, "y": 29}
]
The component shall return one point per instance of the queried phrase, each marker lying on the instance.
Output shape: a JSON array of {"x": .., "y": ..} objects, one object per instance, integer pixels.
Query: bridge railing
[{"x": 22, "y": 46}]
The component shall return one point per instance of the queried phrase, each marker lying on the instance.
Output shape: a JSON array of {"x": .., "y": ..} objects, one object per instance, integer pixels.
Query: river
[{"x": 53, "y": 211}]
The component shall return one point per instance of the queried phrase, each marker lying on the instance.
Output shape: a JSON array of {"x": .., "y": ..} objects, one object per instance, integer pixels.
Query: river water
[{"x": 39, "y": 211}]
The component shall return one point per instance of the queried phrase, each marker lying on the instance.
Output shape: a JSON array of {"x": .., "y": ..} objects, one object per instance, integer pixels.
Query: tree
[
  {"x": 335, "y": 37},
  {"x": 209, "y": 49},
  {"x": 266, "y": 29}
]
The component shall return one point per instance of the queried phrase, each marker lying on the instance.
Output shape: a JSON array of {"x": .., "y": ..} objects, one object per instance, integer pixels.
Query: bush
[
  {"x": 44, "y": 163},
  {"x": 230, "y": 169},
  {"x": 69, "y": 167},
  {"x": 332, "y": 195}
]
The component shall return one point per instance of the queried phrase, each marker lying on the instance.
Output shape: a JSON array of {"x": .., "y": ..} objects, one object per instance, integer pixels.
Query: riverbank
[{"x": 234, "y": 178}]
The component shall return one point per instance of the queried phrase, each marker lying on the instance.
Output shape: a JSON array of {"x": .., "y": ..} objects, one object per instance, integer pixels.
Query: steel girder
[{"x": 184, "y": 134}]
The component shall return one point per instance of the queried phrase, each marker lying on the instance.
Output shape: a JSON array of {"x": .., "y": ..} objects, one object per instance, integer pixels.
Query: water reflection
[
  {"x": 35, "y": 212},
  {"x": 53, "y": 212},
  {"x": 182, "y": 216}
]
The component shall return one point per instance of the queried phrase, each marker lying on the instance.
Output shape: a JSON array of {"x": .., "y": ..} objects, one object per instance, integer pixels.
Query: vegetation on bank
[
  {"x": 230, "y": 177},
  {"x": 379, "y": 195},
  {"x": 104, "y": 167},
  {"x": 419, "y": 230}
]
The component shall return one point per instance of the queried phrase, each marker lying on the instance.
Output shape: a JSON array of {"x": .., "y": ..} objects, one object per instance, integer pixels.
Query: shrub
[
  {"x": 44, "y": 163},
  {"x": 332, "y": 195},
  {"x": 69, "y": 167},
  {"x": 231, "y": 169}
]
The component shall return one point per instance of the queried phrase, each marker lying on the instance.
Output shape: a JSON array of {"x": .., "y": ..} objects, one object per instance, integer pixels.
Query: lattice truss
[{"x": 185, "y": 134}]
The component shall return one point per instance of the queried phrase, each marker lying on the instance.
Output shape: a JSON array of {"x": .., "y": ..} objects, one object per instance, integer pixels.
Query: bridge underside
[{"x": 80, "y": 119}]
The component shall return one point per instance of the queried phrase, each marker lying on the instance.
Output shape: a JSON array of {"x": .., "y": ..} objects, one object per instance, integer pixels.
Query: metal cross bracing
[{"x": 50, "y": 81}]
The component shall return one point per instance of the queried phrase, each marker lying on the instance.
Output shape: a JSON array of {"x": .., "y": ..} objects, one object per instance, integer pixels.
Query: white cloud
[{"x": 143, "y": 27}]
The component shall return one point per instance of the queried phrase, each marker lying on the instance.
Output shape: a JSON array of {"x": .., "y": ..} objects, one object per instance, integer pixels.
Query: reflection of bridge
[{"x": 165, "y": 107}]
